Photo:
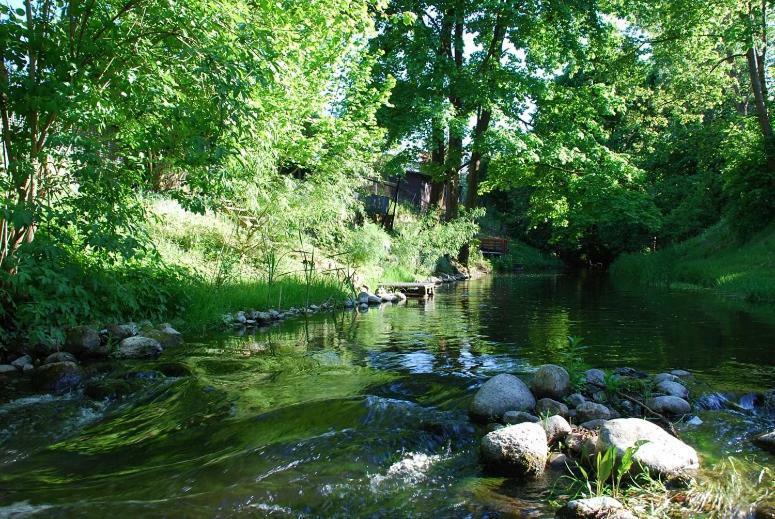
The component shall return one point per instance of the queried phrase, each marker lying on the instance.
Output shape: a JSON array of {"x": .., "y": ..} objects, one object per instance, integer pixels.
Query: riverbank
[{"x": 715, "y": 260}]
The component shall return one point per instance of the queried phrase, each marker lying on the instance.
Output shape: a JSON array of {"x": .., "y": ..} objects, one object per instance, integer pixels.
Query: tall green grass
[{"x": 714, "y": 260}]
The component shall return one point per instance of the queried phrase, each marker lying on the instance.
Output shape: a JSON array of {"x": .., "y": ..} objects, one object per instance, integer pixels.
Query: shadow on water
[{"x": 355, "y": 414}]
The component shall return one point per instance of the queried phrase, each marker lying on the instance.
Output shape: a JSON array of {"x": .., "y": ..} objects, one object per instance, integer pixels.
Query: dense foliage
[{"x": 586, "y": 128}]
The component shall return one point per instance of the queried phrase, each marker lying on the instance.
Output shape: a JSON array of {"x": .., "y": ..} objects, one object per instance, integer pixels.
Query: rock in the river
[
  {"x": 551, "y": 407},
  {"x": 139, "y": 348},
  {"x": 575, "y": 400},
  {"x": 681, "y": 373},
  {"x": 673, "y": 389},
  {"x": 603, "y": 507},
  {"x": 630, "y": 372},
  {"x": 519, "y": 450},
  {"x": 661, "y": 377},
  {"x": 167, "y": 336},
  {"x": 556, "y": 428},
  {"x": 550, "y": 381},
  {"x": 592, "y": 411},
  {"x": 240, "y": 318},
  {"x": 595, "y": 377},
  {"x": 7, "y": 369},
  {"x": 58, "y": 377},
  {"x": 515, "y": 417},
  {"x": 501, "y": 393},
  {"x": 766, "y": 441},
  {"x": 60, "y": 356},
  {"x": 84, "y": 341},
  {"x": 21, "y": 362},
  {"x": 670, "y": 405},
  {"x": 662, "y": 454},
  {"x": 369, "y": 298},
  {"x": 122, "y": 331}
]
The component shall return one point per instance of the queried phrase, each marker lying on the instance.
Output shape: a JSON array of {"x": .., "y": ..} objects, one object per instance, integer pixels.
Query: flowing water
[{"x": 364, "y": 414}]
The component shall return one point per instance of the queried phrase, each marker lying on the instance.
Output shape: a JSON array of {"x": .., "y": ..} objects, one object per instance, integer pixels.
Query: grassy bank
[
  {"x": 521, "y": 256},
  {"x": 714, "y": 260}
]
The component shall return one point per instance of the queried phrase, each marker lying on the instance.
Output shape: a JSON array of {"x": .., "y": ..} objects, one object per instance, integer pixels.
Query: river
[{"x": 364, "y": 414}]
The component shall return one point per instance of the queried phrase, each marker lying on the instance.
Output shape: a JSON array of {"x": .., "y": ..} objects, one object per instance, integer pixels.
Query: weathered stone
[
  {"x": 681, "y": 373},
  {"x": 60, "y": 356},
  {"x": 556, "y": 428},
  {"x": 369, "y": 298},
  {"x": 550, "y": 381},
  {"x": 492, "y": 426},
  {"x": 22, "y": 361},
  {"x": 7, "y": 369},
  {"x": 673, "y": 389},
  {"x": 630, "y": 372},
  {"x": 501, "y": 393},
  {"x": 595, "y": 377},
  {"x": 168, "y": 336},
  {"x": 139, "y": 348},
  {"x": 581, "y": 443},
  {"x": 547, "y": 406},
  {"x": 602, "y": 507},
  {"x": 661, "y": 377},
  {"x": 766, "y": 441},
  {"x": 593, "y": 425},
  {"x": 669, "y": 405},
  {"x": 661, "y": 454},
  {"x": 122, "y": 331},
  {"x": 575, "y": 400},
  {"x": 519, "y": 450},
  {"x": 515, "y": 417},
  {"x": 58, "y": 377},
  {"x": 240, "y": 318},
  {"x": 592, "y": 411},
  {"x": 84, "y": 341}
]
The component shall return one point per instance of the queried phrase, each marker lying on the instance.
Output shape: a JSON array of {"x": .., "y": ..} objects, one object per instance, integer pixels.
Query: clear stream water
[{"x": 364, "y": 415}]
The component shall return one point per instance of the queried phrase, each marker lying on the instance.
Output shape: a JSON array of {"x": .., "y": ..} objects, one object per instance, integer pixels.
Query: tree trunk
[
  {"x": 455, "y": 146},
  {"x": 760, "y": 102}
]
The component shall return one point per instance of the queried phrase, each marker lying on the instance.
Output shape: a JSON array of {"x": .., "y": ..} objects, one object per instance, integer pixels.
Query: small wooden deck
[{"x": 411, "y": 289}]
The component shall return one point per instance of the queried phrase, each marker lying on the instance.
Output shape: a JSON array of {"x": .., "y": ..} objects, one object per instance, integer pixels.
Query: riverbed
[{"x": 351, "y": 414}]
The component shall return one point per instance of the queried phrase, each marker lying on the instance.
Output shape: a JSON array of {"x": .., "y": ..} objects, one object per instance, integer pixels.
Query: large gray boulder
[
  {"x": 122, "y": 331},
  {"x": 7, "y": 369},
  {"x": 519, "y": 450},
  {"x": 501, "y": 393},
  {"x": 592, "y": 411},
  {"x": 669, "y": 405},
  {"x": 22, "y": 362},
  {"x": 661, "y": 377},
  {"x": 603, "y": 507},
  {"x": 167, "y": 336},
  {"x": 84, "y": 341},
  {"x": 673, "y": 389},
  {"x": 550, "y": 381},
  {"x": 661, "y": 454},
  {"x": 60, "y": 356},
  {"x": 139, "y": 348},
  {"x": 369, "y": 298}
]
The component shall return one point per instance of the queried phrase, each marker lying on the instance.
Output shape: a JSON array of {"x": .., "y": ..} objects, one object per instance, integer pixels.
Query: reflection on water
[{"x": 363, "y": 414}]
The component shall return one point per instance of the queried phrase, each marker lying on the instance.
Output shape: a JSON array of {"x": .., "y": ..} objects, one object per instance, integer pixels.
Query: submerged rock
[
  {"x": 550, "y": 381},
  {"x": 556, "y": 429},
  {"x": 58, "y": 376},
  {"x": 108, "y": 388},
  {"x": 501, "y": 393},
  {"x": 661, "y": 454},
  {"x": 592, "y": 411},
  {"x": 60, "y": 356},
  {"x": 139, "y": 348},
  {"x": 673, "y": 389},
  {"x": 519, "y": 450},
  {"x": 766, "y": 441},
  {"x": 515, "y": 417},
  {"x": 551, "y": 407},
  {"x": 602, "y": 507},
  {"x": 670, "y": 405},
  {"x": 22, "y": 362}
]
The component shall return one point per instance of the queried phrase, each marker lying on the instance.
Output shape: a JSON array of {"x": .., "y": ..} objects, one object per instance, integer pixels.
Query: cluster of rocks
[
  {"x": 534, "y": 426},
  {"x": 62, "y": 370},
  {"x": 256, "y": 319},
  {"x": 366, "y": 299}
]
